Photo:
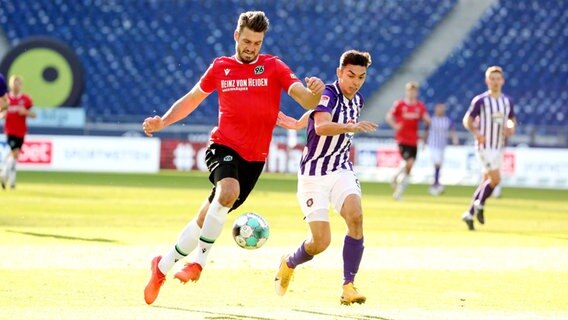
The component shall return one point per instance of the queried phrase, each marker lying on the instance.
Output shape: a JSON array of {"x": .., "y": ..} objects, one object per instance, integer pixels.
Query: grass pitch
[{"x": 78, "y": 246}]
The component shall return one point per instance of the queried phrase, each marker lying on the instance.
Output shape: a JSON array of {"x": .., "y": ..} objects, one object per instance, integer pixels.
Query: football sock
[
  {"x": 352, "y": 255},
  {"x": 212, "y": 227},
  {"x": 475, "y": 197},
  {"x": 437, "y": 176},
  {"x": 486, "y": 191},
  {"x": 299, "y": 256},
  {"x": 186, "y": 243},
  {"x": 12, "y": 173}
]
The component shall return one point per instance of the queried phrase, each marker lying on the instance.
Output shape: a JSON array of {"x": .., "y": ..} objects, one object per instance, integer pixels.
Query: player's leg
[
  {"x": 14, "y": 155},
  {"x": 409, "y": 155},
  {"x": 313, "y": 197},
  {"x": 346, "y": 196},
  {"x": 9, "y": 161},
  {"x": 491, "y": 178}
]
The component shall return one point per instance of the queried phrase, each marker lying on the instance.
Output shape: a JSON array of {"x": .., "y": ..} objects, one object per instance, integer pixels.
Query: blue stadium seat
[
  {"x": 141, "y": 55},
  {"x": 528, "y": 39}
]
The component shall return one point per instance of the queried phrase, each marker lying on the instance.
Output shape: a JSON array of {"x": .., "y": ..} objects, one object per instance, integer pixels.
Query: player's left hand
[
  {"x": 509, "y": 132},
  {"x": 286, "y": 122},
  {"x": 315, "y": 85}
]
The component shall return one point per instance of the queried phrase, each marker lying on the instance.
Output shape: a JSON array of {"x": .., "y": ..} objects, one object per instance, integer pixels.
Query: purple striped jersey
[
  {"x": 439, "y": 132},
  {"x": 492, "y": 114},
  {"x": 325, "y": 154}
]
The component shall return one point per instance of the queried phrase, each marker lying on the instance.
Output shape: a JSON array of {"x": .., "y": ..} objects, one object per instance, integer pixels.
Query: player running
[
  {"x": 404, "y": 118},
  {"x": 490, "y": 119},
  {"x": 249, "y": 86},
  {"x": 15, "y": 128},
  {"x": 441, "y": 128},
  {"x": 326, "y": 173}
]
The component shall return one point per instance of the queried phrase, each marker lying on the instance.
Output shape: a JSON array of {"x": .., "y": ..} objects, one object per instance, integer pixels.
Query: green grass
[{"x": 77, "y": 246}]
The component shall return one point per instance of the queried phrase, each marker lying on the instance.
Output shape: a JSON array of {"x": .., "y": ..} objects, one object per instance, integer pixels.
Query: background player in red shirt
[
  {"x": 404, "y": 118},
  {"x": 15, "y": 128},
  {"x": 249, "y": 85}
]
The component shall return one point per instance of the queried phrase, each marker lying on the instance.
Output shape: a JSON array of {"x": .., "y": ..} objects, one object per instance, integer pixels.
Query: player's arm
[
  {"x": 391, "y": 119},
  {"x": 510, "y": 127},
  {"x": 324, "y": 126},
  {"x": 288, "y": 122},
  {"x": 308, "y": 96},
  {"x": 28, "y": 113},
  {"x": 179, "y": 110},
  {"x": 427, "y": 122},
  {"x": 469, "y": 124},
  {"x": 4, "y": 102},
  {"x": 454, "y": 135}
]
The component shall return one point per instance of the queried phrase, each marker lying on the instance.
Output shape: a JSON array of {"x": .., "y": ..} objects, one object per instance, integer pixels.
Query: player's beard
[{"x": 246, "y": 59}]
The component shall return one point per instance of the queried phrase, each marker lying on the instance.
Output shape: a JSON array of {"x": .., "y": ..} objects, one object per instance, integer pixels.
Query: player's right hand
[
  {"x": 152, "y": 124},
  {"x": 363, "y": 126},
  {"x": 480, "y": 138},
  {"x": 315, "y": 85}
]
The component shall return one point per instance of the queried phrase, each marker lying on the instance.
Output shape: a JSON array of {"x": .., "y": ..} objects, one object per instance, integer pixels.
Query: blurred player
[
  {"x": 441, "y": 128},
  {"x": 15, "y": 128},
  {"x": 326, "y": 175},
  {"x": 404, "y": 118},
  {"x": 3, "y": 91},
  {"x": 490, "y": 119},
  {"x": 249, "y": 86}
]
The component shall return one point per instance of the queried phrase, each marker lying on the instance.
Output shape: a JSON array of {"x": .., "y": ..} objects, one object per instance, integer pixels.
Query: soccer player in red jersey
[
  {"x": 15, "y": 128},
  {"x": 404, "y": 118},
  {"x": 249, "y": 86}
]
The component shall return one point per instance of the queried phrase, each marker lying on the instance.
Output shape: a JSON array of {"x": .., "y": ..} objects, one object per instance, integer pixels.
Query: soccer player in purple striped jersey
[
  {"x": 491, "y": 119},
  {"x": 326, "y": 174},
  {"x": 441, "y": 128}
]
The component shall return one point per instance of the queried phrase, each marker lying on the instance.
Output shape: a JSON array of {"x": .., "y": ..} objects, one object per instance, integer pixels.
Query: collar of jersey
[{"x": 239, "y": 61}]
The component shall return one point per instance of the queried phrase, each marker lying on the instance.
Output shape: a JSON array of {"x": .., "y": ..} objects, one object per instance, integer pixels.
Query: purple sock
[
  {"x": 298, "y": 257},
  {"x": 352, "y": 254},
  {"x": 486, "y": 192},
  {"x": 437, "y": 176},
  {"x": 475, "y": 197}
]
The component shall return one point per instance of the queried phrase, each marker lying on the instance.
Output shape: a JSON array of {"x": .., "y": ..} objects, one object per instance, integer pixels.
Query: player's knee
[
  {"x": 320, "y": 243},
  {"x": 227, "y": 198}
]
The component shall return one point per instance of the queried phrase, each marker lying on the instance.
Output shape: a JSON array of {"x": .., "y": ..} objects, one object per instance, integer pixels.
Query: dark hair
[
  {"x": 254, "y": 20},
  {"x": 356, "y": 58}
]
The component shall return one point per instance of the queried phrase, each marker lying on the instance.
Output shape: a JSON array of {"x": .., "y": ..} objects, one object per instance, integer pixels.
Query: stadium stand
[
  {"x": 139, "y": 56},
  {"x": 528, "y": 39}
]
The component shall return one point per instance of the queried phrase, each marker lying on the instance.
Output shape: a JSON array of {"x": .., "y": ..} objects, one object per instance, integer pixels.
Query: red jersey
[
  {"x": 15, "y": 124},
  {"x": 249, "y": 101},
  {"x": 409, "y": 116}
]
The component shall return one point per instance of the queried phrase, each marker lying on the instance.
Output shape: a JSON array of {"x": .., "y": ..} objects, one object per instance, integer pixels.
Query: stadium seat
[{"x": 139, "y": 56}]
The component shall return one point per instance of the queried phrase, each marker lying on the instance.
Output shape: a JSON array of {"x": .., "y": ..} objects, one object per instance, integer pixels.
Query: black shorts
[
  {"x": 224, "y": 162},
  {"x": 15, "y": 142},
  {"x": 407, "y": 152}
]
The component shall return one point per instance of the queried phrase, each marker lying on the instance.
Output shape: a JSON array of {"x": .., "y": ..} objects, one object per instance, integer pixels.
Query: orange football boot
[
  {"x": 191, "y": 271},
  {"x": 156, "y": 281}
]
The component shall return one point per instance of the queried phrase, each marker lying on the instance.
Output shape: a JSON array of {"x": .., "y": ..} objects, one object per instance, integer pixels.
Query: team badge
[
  {"x": 258, "y": 69},
  {"x": 293, "y": 76},
  {"x": 310, "y": 202},
  {"x": 228, "y": 158},
  {"x": 324, "y": 100}
]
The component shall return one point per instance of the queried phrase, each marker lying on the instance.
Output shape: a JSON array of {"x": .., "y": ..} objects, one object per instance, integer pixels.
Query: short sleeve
[
  {"x": 29, "y": 102},
  {"x": 207, "y": 81},
  {"x": 3, "y": 88},
  {"x": 286, "y": 77},
  {"x": 395, "y": 110},
  {"x": 327, "y": 101},
  {"x": 475, "y": 107}
]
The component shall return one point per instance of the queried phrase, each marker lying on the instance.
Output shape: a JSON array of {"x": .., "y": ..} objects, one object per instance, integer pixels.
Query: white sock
[
  {"x": 7, "y": 170},
  {"x": 212, "y": 227},
  {"x": 12, "y": 173},
  {"x": 187, "y": 241}
]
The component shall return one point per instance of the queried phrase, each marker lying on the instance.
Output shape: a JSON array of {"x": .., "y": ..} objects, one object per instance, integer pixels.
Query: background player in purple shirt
[
  {"x": 491, "y": 119},
  {"x": 326, "y": 173},
  {"x": 441, "y": 128}
]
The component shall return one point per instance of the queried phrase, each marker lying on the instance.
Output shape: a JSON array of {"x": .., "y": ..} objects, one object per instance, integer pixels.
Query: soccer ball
[{"x": 250, "y": 231}]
